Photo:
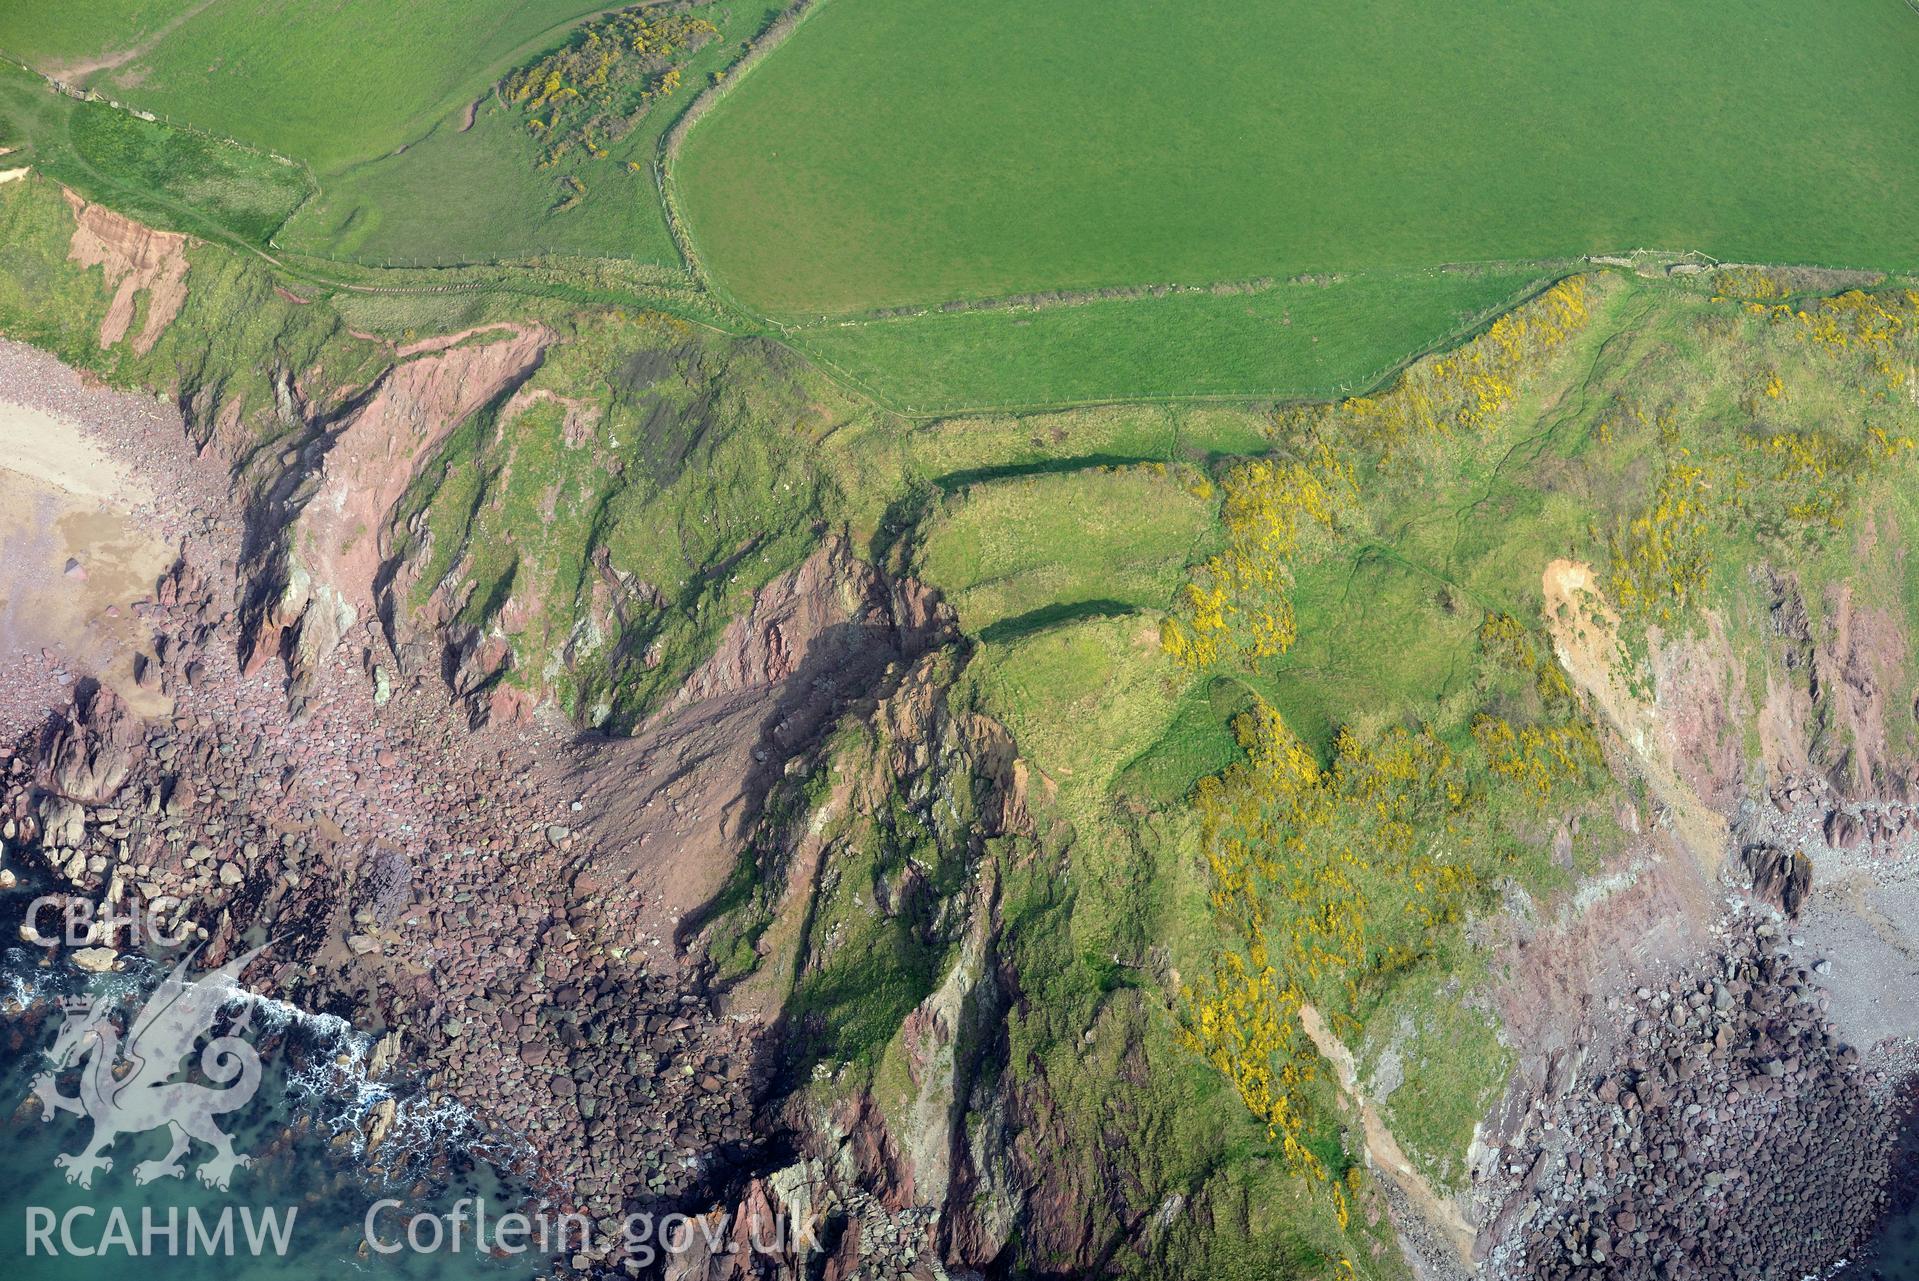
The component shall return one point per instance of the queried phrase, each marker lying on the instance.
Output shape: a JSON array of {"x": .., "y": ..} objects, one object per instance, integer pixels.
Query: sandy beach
[{"x": 81, "y": 541}]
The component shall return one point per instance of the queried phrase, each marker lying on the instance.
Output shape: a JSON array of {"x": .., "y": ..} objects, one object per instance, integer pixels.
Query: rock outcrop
[
  {"x": 91, "y": 749},
  {"x": 1830, "y": 727},
  {"x": 326, "y": 522},
  {"x": 681, "y": 795},
  {"x": 1779, "y": 878}
]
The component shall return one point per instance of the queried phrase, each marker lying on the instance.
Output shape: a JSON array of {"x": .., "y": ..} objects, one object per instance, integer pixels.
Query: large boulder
[
  {"x": 1842, "y": 830},
  {"x": 1779, "y": 877},
  {"x": 92, "y": 750}
]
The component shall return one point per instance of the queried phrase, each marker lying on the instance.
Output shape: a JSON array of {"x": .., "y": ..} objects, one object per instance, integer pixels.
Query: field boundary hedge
[{"x": 777, "y": 33}]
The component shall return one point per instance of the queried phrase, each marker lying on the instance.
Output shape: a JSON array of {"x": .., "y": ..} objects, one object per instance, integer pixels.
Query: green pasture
[
  {"x": 476, "y": 193},
  {"x": 329, "y": 84},
  {"x": 1319, "y": 339},
  {"x": 167, "y": 177},
  {"x": 1201, "y": 201},
  {"x": 62, "y": 36},
  {"x": 909, "y": 151}
]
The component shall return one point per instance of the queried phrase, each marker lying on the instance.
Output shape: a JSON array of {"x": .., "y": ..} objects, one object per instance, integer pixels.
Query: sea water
[
  {"x": 1894, "y": 1253},
  {"x": 299, "y": 1211}
]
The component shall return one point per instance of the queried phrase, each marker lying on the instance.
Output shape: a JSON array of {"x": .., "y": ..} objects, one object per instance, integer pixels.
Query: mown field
[{"x": 911, "y": 151}]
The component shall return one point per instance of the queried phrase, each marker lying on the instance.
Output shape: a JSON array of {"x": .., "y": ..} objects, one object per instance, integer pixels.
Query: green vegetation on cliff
[
  {"x": 1348, "y": 756},
  {"x": 1015, "y": 554},
  {"x": 1381, "y": 578},
  {"x": 236, "y": 336}
]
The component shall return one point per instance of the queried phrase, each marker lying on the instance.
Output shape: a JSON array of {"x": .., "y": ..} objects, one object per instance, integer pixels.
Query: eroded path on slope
[
  {"x": 1585, "y": 632},
  {"x": 1383, "y": 1148}
]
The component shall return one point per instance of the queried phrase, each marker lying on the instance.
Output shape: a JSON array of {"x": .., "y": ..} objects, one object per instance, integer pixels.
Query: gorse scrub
[
  {"x": 1238, "y": 603},
  {"x": 581, "y": 99}
]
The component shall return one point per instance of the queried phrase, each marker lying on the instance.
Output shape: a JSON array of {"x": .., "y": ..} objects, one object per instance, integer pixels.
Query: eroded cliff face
[
  {"x": 918, "y": 1149},
  {"x": 136, "y": 260},
  {"x": 339, "y": 444},
  {"x": 791, "y": 950},
  {"x": 572, "y": 938},
  {"x": 678, "y": 802},
  {"x": 1839, "y": 710},
  {"x": 1722, "y": 1044},
  {"x": 325, "y": 526},
  {"x": 565, "y": 900},
  {"x": 877, "y": 1161}
]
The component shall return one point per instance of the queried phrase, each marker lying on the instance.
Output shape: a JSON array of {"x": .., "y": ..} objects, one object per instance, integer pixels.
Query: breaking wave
[{"x": 333, "y": 1074}]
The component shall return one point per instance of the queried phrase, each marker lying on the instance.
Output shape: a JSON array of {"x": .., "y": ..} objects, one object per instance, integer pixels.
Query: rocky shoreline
[
  {"x": 1746, "y": 1110},
  {"x": 1731, "y": 1133},
  {"x": 417, "y": 876},
  {"x": 503, "y": 901}
]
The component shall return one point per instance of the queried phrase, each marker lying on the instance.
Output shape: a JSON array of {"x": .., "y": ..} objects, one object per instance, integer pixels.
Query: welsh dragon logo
[{"x": 127, "y": 1086}]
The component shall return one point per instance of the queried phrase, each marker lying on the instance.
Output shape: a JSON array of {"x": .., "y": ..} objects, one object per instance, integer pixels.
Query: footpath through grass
[
  {"x": 172, "y": 178},
  {"x": 329, "y": 84}
]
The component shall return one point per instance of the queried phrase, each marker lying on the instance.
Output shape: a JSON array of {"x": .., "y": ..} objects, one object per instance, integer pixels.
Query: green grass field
[
  {"x": 70, "y": 33},
  {"x": 374, "y": 100},
  {"x": 397, "y": 206},
  {"x": 1283, "y": 340},
  {"x": 910, "y": 152},
  {"x": 1301, "y": 173},
  {"x": 330, "y": 84},
  {"x": 168, "y": 177}
]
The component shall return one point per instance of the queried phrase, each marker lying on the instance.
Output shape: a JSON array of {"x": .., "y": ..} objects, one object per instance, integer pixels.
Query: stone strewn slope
[{"x": 1731, "y": 1134}]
